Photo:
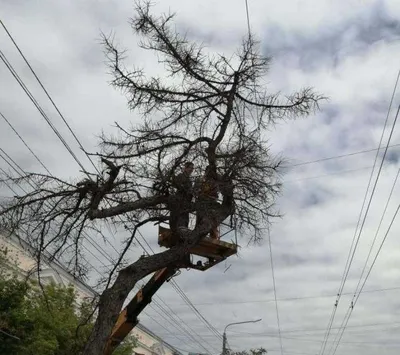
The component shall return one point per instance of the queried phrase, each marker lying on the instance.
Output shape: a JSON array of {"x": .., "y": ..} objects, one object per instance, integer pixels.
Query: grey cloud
[
  {"x": 317, "y": 197},
  {"x": 290, "y": 260},
  {"x": 326, "y": 46},
  {"x": 331, "y": 45},
  {"x": 310, "y": 244},
  {"x": 392, "y": 157}
]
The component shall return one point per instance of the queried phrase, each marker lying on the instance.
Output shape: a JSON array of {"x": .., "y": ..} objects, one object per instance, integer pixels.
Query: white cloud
[{"x": 326, "y": 44}]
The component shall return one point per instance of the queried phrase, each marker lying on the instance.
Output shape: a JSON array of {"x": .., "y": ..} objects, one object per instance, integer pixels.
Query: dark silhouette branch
[{"x": 214, "y": 111}]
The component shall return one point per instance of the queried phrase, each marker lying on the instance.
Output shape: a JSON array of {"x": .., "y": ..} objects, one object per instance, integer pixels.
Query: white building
[{"x": 20, "y": 252}]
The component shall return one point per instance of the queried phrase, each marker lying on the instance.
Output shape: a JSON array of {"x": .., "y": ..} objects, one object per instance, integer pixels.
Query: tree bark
[
  {"x": 112, "y": 299},
  {"x": 128, "y": 207}
]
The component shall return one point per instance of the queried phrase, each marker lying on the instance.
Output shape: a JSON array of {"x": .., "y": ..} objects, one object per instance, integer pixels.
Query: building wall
[
  {"x": 15, "y": 253},
  {"x": 149, "y": 343},
  {"x": 22, "y": 262},
  {"x": 145, "y": 341}
]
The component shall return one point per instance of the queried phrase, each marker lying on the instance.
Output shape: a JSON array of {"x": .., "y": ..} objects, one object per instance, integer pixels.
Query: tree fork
[{"x": 112, "y": 299}]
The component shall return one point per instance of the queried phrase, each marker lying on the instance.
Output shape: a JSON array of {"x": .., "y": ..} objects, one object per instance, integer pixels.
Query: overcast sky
[{"x": 348, "y": 50}]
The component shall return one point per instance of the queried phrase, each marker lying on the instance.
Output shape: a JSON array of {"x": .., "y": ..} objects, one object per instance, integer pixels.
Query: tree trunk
[{"x": 112, "y": 299}]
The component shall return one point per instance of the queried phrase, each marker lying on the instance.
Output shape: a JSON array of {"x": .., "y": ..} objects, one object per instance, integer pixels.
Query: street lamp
[{"x": 224, "y": 352}]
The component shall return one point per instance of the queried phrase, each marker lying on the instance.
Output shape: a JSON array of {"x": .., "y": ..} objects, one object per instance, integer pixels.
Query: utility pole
[
  {"x": 224, "y": 344},
  {"x": 224, "y": 339}
]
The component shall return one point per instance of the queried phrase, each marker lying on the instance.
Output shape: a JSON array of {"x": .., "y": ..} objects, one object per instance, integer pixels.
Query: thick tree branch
[
  {"x": 216, "y": 112},
  {"x": 128, "y": 207}
]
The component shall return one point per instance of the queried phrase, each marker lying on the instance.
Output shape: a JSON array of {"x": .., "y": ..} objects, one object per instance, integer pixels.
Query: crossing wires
[
  {"x": 47, "y": 94},
  {"x": 26, "y": 90},
  {"x": 164, "y": 314},
  {"x": 268, "y": 227},
  {"x": 185, "y": 298},
  {"x": 359, "y": 227},
  {"x": 358, "y": 291},
  {"x": 356, "y": 296},
  {"x": 275, "y": 296},
  {"x": 44, "y": 115},
  {"x": 42, "y": 112}
]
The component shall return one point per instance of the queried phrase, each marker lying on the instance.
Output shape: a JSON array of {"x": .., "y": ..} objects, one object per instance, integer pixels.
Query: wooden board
[{"x": 207, "y": 247}]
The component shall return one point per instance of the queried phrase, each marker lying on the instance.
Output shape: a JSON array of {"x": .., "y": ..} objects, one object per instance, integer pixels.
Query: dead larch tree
[{"x": 208, "y": 109}]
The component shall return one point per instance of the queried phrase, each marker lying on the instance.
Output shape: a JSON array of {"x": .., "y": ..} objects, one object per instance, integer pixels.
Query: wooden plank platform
[
  {"x": 206, "y": 248},
  {"x": 213, "y": 248}
]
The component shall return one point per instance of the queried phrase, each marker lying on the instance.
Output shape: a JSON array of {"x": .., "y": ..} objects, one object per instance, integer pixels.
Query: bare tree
[
  {"x": 211, "y": 110},
  {"x": 256, "y": 351}
]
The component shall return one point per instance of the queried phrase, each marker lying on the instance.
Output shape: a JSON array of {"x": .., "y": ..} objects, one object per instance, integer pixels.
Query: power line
[
  {"x": 351, "y": 254},
  {"x": 378, "y": 229},
  {"x": 57, "y": 109},
  {"x": 290, "y": 298},
  {"x": 183, "y": 295},
  {"x": 268, "y": 229},
  {"x": 178, "y": 323},
  {"x": 377, "y": 254},
  {"x": 338, "y": 332},
  {"x": 180, "y": 319},
  {"x": 356, "y": 297},
  {"x": 329, "y": 174},
  {"x": 95, "y": 293},
  {"x": 37, "y": 105},
  {"x": 23, "y": 141},
  {"x": 196, "y": 311},
  {"x": 165, "y": 313},
  {"x": 339, "y": 156},
  {"x": 103, "y": 264},
  {"x": 47, "y": 94},
  {"x": 353, "y": 304},
  {"x": 246, "y": 335},
  {"x": 178, "y": 326},
  {"x": 274, "y": 285},
  {"x": 50, "y": 260},
  {"x": 356, "y": 293},
  {"x": 167, "y": 329},
  {"x": 32, "y": 70},
  {"x": 61, "y": 115},
  {"x": 44, "y": 115},
  {"x": 290, "y": 352},
  {"x": 169, "y": 318},
  {"x": 305, "y": 330},
  {"x": 376, "y": 181},
  {"x": 315, "y": 332},
  {"x": 350, "y": 310},
  {"x": 248, "y": 17},
  {"x": 22, "y": 84},
  {"x": 321, "y": 159},
  {"x": 22, "y": 173}
]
